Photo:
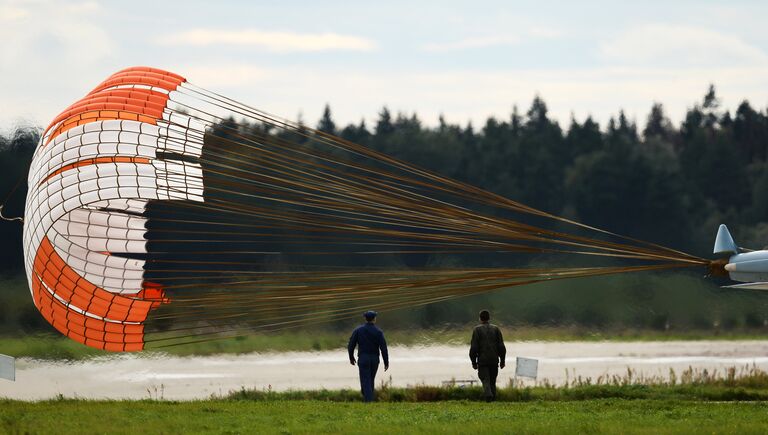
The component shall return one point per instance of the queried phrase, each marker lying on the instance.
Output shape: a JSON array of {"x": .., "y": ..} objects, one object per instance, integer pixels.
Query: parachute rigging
[{"x": 153, "y": 218}]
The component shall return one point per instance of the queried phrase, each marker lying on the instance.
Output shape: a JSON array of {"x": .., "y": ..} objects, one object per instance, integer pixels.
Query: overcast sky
[{"x": 467, "y": 60}]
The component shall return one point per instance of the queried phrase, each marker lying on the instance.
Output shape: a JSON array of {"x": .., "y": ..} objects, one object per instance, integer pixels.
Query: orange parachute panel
[
  {"x": 135, "y": 98},
  {"x": 100, "y": 115},
  {"x": 83, "y": 329},
  {"x": 57, "y": 288},
  {"x": 95, "y": 161},
  {"x": 109, "y": 101},
  {"x": 131, "y": 76}
]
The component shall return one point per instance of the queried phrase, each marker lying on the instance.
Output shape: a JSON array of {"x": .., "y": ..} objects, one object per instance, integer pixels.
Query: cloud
[
  {"x": 50, "y": 50},
  {"x": 57, "y": 51},
  {"x": 281, "y": 42},
  {"x": 488, "y": 38},
  {"x": 226, "y": 76},
  {"x": 10, "y": 12},
  {"x": 474, "y": 42},
  {"x": 544, "y": 32},
  {"x": 663, "y": 44},
  {"x": 43, "y": 31}
]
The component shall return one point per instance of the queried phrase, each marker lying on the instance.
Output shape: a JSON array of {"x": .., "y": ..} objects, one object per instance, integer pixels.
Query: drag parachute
[{"x": 161, "y": 213}]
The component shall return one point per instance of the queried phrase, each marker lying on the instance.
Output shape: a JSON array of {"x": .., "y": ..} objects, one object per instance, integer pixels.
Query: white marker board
[
  {"x": 7, "y": 367},
  {"x": 527, "y": 367}
]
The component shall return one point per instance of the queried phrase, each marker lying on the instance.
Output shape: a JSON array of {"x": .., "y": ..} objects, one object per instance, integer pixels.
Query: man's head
[
  {"x": 370, "y": 316},
  {"x": 485, "y": 316}
]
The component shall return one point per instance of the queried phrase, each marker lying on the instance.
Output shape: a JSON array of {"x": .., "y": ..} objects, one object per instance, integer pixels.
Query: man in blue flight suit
[{"x": 369, "y": 340}]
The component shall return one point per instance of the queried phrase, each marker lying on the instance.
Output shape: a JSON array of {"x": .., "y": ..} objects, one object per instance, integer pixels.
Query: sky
[{"x": 465, "y": 60}]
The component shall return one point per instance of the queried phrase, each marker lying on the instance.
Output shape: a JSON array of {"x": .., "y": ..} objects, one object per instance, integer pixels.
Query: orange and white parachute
[
  {"x": 150, "y": 209},
  {"x": 92, "y": 175}
]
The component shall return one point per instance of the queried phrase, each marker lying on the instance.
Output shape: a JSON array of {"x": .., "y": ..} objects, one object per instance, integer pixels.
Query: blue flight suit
[{"x": 369, "y": 340}]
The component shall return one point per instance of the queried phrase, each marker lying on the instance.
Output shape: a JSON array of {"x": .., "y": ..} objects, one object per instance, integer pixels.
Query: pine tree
[
  {"x": 384, "y": 126},
  {"x": 658, "y": 126},
  {"x": 326, "y": 124}
]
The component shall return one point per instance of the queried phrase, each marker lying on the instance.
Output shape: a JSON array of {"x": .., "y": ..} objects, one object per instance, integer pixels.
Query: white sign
[
  {"x": 7, "y": 367},
  {"x": 527, "y": 367}
]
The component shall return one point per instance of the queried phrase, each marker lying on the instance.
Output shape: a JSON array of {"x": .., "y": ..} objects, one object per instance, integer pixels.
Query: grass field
[
  {"x": 289, "y": 417},
  {"x": 695, "y": 401},
  {"x": 56, "y": 347},
  {"x": 421, "y": 394}
]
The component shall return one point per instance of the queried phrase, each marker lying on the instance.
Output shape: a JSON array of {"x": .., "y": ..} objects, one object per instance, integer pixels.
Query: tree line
[
  {"x": 652, "y": 180},
  {"x": 658, "y": 182}
]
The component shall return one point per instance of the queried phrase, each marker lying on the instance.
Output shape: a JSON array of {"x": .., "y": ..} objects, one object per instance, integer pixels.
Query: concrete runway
[{"x": 140, "y": 377}]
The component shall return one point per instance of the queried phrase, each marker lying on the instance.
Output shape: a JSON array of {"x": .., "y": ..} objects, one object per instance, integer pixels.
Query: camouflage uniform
[{"x": 486, "y": 352}]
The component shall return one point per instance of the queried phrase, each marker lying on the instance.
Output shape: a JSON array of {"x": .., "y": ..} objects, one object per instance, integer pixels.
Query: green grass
[
  {"x": 56, "y": 347},
  {"x": 425, "y": 393},
  {"x": 310, "y": 417},
  {"x": 733, "y": 401},
  {"x": 731, "y": 384}
]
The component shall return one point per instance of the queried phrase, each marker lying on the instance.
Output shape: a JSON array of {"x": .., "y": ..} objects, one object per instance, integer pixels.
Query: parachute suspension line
[
  {"x": 697, "y": 261},
  {"x": 5, "y": 201},
  {"x": 260, "y": 176},
  {"x": 9, "y": 219},
  {"x": 363, "y": 286},
  {"x": 309, "y": 133},
  {"x": 285, "y": 315},
  {"x": 224, "y": 206},
  {"x": 525, "y": 208}
]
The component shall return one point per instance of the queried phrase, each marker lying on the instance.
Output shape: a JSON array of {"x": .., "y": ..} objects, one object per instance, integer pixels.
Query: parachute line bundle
[{"x": 153, "y": 218}]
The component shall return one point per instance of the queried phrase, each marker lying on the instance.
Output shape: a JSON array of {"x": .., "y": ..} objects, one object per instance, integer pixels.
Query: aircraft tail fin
[{"x": 724, "y": 243}]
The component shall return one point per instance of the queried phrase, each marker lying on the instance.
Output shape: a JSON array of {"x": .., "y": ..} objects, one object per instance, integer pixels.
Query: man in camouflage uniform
[{"x": 487, "y": 353}]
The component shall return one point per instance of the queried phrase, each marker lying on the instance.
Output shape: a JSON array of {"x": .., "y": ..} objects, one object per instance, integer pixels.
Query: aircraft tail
[{"x": 724, "y": 243}]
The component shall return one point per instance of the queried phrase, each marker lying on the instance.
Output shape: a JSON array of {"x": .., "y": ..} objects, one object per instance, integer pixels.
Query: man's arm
[
  {"x": 351, "y": 347},
  {"x": 473, "y": 346},
  {"x": 384, "y": 351},
  {"x": 501, "y": 348}
]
